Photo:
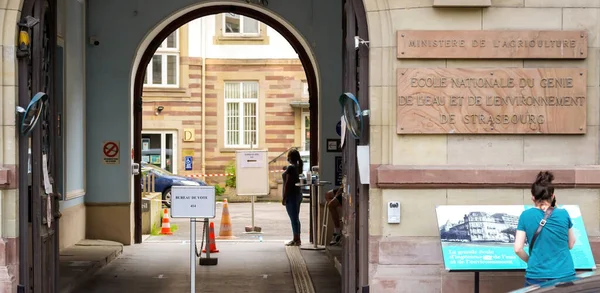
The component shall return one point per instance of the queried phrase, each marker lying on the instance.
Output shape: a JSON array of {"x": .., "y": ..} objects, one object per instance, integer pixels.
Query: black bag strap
[{"x": 547, "y": 215}]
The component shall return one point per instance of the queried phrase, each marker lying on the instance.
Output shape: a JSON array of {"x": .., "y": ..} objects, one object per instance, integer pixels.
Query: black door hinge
[{"x": 20, "y": 289}]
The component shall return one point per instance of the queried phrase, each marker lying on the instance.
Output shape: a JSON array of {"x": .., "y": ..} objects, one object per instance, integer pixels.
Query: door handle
[{"x": 135, "y": 168}]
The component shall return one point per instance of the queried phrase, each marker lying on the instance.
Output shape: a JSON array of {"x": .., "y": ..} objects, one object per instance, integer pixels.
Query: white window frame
[
  {"x": 302, "y": 122},
  {"x": 305, "y": 92},
  {"x": 241, "y": 101},
  {"x": 164, "y": 52},
  {"x": 163, "y": 150},
  {"x": 241, "y": 33}
]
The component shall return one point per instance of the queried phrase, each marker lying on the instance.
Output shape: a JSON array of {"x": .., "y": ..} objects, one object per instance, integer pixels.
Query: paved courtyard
[
  {"x": 164, "y": 267},
  {"x": 246, "y": 264},
  {"x": 270, "y": 216}
]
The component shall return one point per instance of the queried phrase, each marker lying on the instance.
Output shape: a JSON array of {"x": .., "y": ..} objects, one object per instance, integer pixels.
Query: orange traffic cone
[
  {"x": 211, "y": 240},
  {"x": 166, "y": 224},
  {"x": 225, "y": 232}
]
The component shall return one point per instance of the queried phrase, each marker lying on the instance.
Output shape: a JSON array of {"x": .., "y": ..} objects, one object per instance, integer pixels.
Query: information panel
[
  {"x": 193, "y": 202},
  {"x": 480, "y": 238}
]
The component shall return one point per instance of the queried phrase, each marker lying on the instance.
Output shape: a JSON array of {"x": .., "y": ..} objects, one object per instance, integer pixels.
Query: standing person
[
  {"x": 292, "y": 196},
  {"x": 549, "y": 232},
  {"x": 334, "y": 200}
]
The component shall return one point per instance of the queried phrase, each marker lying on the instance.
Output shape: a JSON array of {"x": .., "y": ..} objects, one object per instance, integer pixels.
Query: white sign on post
[
  {"x": 193, "y": 202},
  {"x": 252, "y": 173}
]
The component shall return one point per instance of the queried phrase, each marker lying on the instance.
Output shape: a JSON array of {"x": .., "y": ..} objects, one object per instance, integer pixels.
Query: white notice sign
[
  {"x": 193, "y": 202},
  {"x": 253, "y": 159}
]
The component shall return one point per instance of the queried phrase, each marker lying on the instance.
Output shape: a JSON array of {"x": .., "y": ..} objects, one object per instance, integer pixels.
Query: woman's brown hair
[{"x": 542, "y": 189}]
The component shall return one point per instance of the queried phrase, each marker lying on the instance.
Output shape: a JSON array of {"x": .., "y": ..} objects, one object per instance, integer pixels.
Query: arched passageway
[
  {"x": 112, "y": 79},
  {"x": 149, "y": 46}
]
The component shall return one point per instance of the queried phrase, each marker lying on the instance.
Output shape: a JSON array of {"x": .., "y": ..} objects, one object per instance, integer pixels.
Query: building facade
[
  {"x": 472, "y": 165},
  {"x": 468, "y": 166},
  {"x": 233, "y": 83}
]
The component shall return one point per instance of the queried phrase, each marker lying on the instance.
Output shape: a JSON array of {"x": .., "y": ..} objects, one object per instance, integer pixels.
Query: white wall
[{"x": 278, "y": 47}]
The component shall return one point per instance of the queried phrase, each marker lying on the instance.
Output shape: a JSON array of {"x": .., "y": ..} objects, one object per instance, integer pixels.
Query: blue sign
[
  {"x": 338, "y": 128},
  {"x": 188, "y": 163},
  {"x": 481, "y": 238}
]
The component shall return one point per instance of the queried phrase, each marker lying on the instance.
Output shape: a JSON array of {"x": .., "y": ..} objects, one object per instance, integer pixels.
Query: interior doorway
[{"x": 159, "y": 148}]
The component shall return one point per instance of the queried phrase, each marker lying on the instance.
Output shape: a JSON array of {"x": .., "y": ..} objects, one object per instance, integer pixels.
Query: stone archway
[
  {"x": 9, "y": 157},
  {"x": 165, "y": 28},
  {"x": 11, "y": 10}
]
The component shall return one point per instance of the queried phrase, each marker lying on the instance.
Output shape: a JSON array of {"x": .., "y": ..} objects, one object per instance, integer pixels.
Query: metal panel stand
[
  {"x": 253, "y": 229},
  {"x": 193, "y": 255},
  {"x": 207, "y": 261},
  {"x": 314, "y": 199},
  {"x": 476, "y": 282}
]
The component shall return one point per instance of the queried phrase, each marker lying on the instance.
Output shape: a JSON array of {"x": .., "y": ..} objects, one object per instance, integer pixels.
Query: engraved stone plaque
[
  {"x": 491, "y": 100},
  {"x": 492, "y": 44}
]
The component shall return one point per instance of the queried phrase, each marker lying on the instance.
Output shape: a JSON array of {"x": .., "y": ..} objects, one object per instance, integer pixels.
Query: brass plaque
[
  {"x": 493, "y": 44},
  {"x": 491, "y": 100}
]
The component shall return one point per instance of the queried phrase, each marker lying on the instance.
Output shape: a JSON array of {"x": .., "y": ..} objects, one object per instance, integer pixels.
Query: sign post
[
  {"x": 194, "y": 202},
  {"x": 193, "y": 255},
  {"x": 252, "y": 178}
]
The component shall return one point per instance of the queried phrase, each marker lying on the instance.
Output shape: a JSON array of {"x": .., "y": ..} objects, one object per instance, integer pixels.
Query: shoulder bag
[{"x": 547, "y": 215}]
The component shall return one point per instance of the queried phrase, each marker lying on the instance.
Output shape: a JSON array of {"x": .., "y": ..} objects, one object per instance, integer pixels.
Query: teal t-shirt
[{"x": 550, "y": 257}]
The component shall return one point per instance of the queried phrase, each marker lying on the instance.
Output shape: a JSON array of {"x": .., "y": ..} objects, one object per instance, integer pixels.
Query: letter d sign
[{"x": 188, "y": 135}]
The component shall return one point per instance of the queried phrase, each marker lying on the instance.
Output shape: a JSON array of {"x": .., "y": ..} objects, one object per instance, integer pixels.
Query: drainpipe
[{"x": 203, "y": 34}]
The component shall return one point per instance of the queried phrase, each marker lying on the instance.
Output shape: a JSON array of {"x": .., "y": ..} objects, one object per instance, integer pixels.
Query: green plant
[
  {"x": 219, "y": 190},
  {"x": 174, "y": 228},
  {"x": 155, "y": 231},
  {"x": 230, "y": 169}
]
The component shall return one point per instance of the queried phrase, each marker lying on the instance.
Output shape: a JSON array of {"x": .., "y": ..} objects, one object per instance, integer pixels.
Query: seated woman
[{"x": 334, "y": 200}]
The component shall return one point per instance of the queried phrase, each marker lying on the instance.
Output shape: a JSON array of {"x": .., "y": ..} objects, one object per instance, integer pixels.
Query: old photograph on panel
[{"x": 487, "y": 225}]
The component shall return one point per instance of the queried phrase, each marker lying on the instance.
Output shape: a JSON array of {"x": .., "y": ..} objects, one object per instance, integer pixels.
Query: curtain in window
[
  {"x": 241, "y": 113},
  {"x": 233, "y": 123}
]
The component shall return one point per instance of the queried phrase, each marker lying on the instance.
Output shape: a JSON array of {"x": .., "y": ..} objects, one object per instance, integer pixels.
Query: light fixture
[
  {"x": 24, "y": 41},
  {"x": 29, "y": 22},
  {"x": 159, "y": 109},
  {"x": 358, "y": 41}
]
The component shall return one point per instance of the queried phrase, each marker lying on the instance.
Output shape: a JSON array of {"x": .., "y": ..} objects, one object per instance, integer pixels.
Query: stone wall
[
  {"x": 9, "y": 260},
  {"x": 422, "y": 171}
]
